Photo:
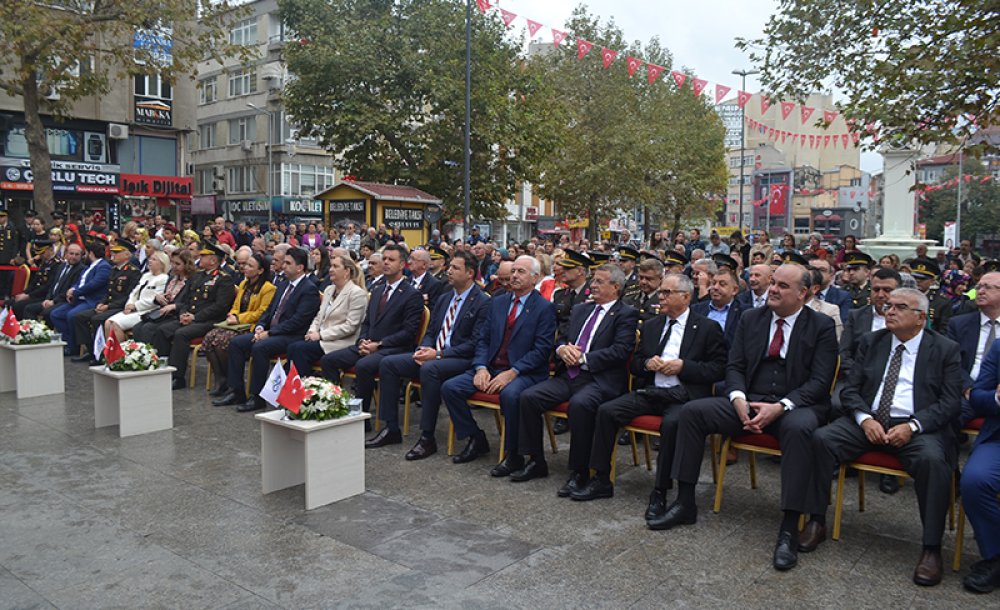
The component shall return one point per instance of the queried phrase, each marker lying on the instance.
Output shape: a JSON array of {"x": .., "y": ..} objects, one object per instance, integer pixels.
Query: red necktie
[
  {"x": 384, "y": 299},
  {"x": 512, "y": 316},
  {"x": 774, "y": 350}
]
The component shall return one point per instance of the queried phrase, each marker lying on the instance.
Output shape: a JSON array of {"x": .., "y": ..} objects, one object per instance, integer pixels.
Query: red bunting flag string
[
  {"x": 698, "y": 85},
  {"x": 582, "y": 47},
  {"x": 721, "y": 91},
  {"x": 507, "y": 16},
  {"x": 484, "y": 5},
  {"x": 801, "y": 139},
  {"x": 633, "y": 64},
  {"x": 533, "y": 27},
  {"x": 786, "y": 109},
  {"x": 608, "y": 57},
  {"x": 558, "y": 36},
  {"x": 654, "y": 72},
  {"x": 679, "y": 78}
]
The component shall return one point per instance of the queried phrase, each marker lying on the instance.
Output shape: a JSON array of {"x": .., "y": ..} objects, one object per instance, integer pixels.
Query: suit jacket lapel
[
  {"x": 688, "y": 338},
  {"x": 608, "y": 322},
  {"x": 881, "y": 359},
  {"x": 525, "y": 308}
]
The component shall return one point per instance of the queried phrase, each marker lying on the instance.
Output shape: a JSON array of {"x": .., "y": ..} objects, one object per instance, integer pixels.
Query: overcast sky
[{"x": 700, "y": 34}]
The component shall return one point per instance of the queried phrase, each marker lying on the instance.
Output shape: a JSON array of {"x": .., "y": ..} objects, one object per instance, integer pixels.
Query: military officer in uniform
[
  {"x": 857, "y": 267},
  {"x": 124, "y": 277},
  {"x": 575, "y": 267},
  {"x": 674, "y": 262},
  {"x": 647, "y": 298},
  {"x": 926, "y": 273},
  {"x": 9, "y": 240},
  {"x": 439, "y": 263},
  {"x": 41, "y": 279},
  {"x": 204, "y": 302},
  {"x": 628, "y": 259}
]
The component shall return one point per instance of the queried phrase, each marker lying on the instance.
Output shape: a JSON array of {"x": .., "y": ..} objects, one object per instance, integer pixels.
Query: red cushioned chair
[{"x": 486, "y": 401}]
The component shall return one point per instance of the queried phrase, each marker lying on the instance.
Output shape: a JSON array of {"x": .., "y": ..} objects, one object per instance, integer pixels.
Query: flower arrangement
[
  {"x": 138, "y": 357},
  {"x": 32, "y": 332},
  {"x": 323, "y": 400}
]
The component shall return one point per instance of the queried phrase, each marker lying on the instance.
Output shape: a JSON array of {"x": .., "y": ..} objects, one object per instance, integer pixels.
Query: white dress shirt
[
  {"x": 672, "y": 350},
  {"x": 759, "y": 301},
  {"x": 787, "y": 330},
  {"x": 878, "y": 320},
  {"x": 902, "y": 399},
  {"x": 461, "y": 298},
  {"x": 981, "y": 347}
]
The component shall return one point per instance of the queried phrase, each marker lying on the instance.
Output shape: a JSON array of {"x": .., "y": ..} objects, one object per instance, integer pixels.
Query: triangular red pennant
[
  {"x": 484, "y": 5},
  {"x": 507, "y": 16},
  {"x": 764, "y": 104},
  {"x": 855, "y": 137},
  {"x": 812, "y": 141},
  {"x": 833, "y": 140},
  {"x": 770, "y": 133},
  {"x": 558, "y": 37},
  {"x": 784, "y": 134},
  {"x": 829, "y": 116},
  {"x": 742, "y": 97},
  {"x": 653, "y": 72},
  {"x": 582, "y": 47},
  {"x": 826, "y": 141},
  {"x": 853, "y": 193},
  {"x": 533, "y": 27},
  {"x": 698, "y": 85},
  {"x": 633, "y": 64},
  {"x": 806, "y": 113},
  {"x": 608, "y": 57},
  {"x": 845, "y": 138},
  {"x": 721, "y": 91},
  {"x": 786, "y": 109},
  {"x": 679, "y": 78}
]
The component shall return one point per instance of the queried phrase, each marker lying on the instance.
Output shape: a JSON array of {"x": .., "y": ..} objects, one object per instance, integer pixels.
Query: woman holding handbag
[
  {"x": 143, "y": 298},
  {"x": 253, "y": 296},
  {"x": 181, "y": 269}
]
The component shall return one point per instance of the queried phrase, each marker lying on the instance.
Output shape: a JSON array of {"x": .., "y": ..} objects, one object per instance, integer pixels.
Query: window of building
[
  {"x": 277, "y": 32},
  {"x": 239, "y": 179},
  {"x": 305, "y": 180},
  {"x": 152, "y": 85},
  {"x": 243, "y": 82},
  {"x": 206, "y": 136},
  {"x": 204, "y": 181},
  {"x": 244, "y": 32},
  {"x": 241, "y": 129},
  {"x": 208, "y": 90}
]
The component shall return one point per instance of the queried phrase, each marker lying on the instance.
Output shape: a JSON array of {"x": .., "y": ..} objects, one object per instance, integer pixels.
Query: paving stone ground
[{"x": 176, "y": 519}]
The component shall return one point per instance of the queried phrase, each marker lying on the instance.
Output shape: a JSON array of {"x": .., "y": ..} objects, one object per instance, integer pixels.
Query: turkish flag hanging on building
[{"x": 776, "y": 200}]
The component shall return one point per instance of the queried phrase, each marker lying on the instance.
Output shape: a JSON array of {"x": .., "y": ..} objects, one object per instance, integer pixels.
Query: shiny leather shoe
[
  {"x": 574, "y": 483},
  {"x": 84, "y": 358},
  {"x": 383, "y": 438},
  {"x": 676, "y": 514},
  {"x": 508, "y": 466},
  {"x": 95, "y": 362},
  {"x": 786, "y": 555},
  {"x": 220, "y": 391},
  {"x": 532, "y": 470},
  {"x": 888, "y": 484},
  {"x": 560, "y": 426},
  {"x": 477, "y": 446},
  {"x": 984, "y": 577},
  {"x": 811, "y": 537},
  {"x": 253, "y": 404},
  {"x": 228, "y": 399},
  {"x": 177, "y": 384},
  {"x": 624, "y": 439},
  {"x": 928, "y": 572},
  {"x": 425, "y": 447},
  {"x": 593, "y": 490},
  {"x": 657, "y": 504}
]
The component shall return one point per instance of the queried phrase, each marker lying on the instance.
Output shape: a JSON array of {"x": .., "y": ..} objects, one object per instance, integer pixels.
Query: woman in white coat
[
  {"x": 338, "y": 321},
  {"x": 143, "y": 297}
]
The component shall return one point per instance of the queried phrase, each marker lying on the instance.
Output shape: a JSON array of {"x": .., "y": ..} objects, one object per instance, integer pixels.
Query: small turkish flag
[
  {"x": 633, "y": 64},
  {"x": 10, "y": 326},
  {"x": 533, "y": 27},
  {"x": 293, "y": 392},
  {"x": 508, "y": 17},
  {"x": 720, "y": 92},
  {"x": 582, "y": 47},
  {"x": 558, "y": 36},
  {"x": 484, "y": 5},
  {"x": 829, "y": 116},
  {"x": 608, "y": 56},
  {"x": 742, "y": 97},
  {"x": 698, "y": 85},
  {"x": 113, "y": 351},
  {"x": 679, "y": 78},
  {"x": 806, "y": 113},
  {"x": 653, "y": 72},
  {"x": 765, "y": 103},
  {"x": 786, "y": 109}
]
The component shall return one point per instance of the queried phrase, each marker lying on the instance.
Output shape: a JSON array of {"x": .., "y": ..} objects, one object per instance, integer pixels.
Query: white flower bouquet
[
  {"x": 323, "y": 400},
  {"x": 138, "y": 357},
  {"x": 32, "y": 332}
]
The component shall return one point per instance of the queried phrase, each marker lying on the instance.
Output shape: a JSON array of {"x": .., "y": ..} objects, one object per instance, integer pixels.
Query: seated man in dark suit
[
  {"x": 778, "y": 377},
  {"x": 828, "y": 292},
  {"x": 285, "y": 321},
  {"x": 758, "y": 281},
  {"x": 981, "y": 477},
  {"x": 64, "y": 275},
  {"x": 89, "y": 288},
  {"x": 512, "y": 354},
  {"x": 680, "y": 355},
  {"x": 590, "y": 370},
  {"x": 722, "y": 307},
  {"x": 975, "y": 333},
  {"x": 41, "y": 280},
  {"x": 395, "y": 312},
  {"x": 124, "y": 277},
  {"x": 446, "y": 351},
  {"x": 423, "y": 280},
  {"x": 863, "y": 321},
  {"x": 902, "y": 397}
]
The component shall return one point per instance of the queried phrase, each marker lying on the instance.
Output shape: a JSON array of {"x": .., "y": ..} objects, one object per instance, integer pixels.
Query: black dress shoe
[
  {"x": 593, "y": 490},
  {"x": 984, "y": 577},
  {"x": 383, "y": 438},
  {"x": 624, "y": 438},
  {"x": 888, "y": 484},
  {"x": 477, "y": 446},
  {"x": 786, "y": 554},
  {"x": 657, "y": 504},
  {"x": 254, "y": 404},
  {"x": 177, "y": 384},
  {"x": 425, "y": 447},
  {"x": 220, "y": 391},
  {"x": 811, "y": 537},
  {"x": 532, "y": 470},
  {"x": 676, "y": 514},
  {"x": 83, "y": 358},
  {"x": 560, "y": 426},
  {"x": 95, "y": 362},
  {"x": 574, "y": 483},
  {"x": 508, "y": 466},
  {"x": 228, "y": 399}
]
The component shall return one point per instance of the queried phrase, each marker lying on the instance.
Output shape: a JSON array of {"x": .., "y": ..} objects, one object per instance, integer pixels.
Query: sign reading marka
[{"x": 153, "y": 111}]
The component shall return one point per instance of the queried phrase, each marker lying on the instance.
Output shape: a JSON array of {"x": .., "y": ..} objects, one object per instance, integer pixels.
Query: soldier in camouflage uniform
[
  {"x": 647, "y": 298},
  {"x": 202, "y": 304},
  {"x": 124, "y": 278},
  {"x": 926, "y": 273},
  {"x": 575, "y": 266},
  {"x": 857, "y": 268}
]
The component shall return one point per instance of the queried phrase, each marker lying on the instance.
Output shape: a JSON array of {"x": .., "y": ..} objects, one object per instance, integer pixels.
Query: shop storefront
[
  {"x": 296, "y": 209},
  {"x": 401, "y": 207},
  {"x": 243, "y": 210},
  {"x": 143, "y": 197},
  {"x": 76, "y": 186}
]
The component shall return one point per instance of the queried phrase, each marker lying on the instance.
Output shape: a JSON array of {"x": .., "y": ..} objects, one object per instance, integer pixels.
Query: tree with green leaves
[
  {"x": 382, "y": 83},
  {"x": 82, "y": 48},
  {"x": 980, "y": 204},
  {"x": 921, "y": 71},
  {"x": 628, "y": 143}
]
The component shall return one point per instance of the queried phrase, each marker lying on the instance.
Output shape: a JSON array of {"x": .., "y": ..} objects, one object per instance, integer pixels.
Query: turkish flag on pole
[
  {"x": 653, "y": 72},
  {"x": 558, "y": 36},
  {"x": 720, "y": 92},
  {"x": 679, "y": 78},
  {"x": 582, "y": 47},
  {"x": 742, "y": 97},
  {"x": 777, "y": 199},
  {"x": 10, "y": 326},
  {"x": 608, "y": 56},
  {"x": 508, "y": 17},
  {"x": 633, "y": 64},
  {"x": 698, "y": 85},
  {"x": 786, "y": 109},
  {"x": 484, "y": 5},
  {"x": 533, "y": 27},
  {"x": 113, "y": 351},
  {"x": 293, "y": 392}
]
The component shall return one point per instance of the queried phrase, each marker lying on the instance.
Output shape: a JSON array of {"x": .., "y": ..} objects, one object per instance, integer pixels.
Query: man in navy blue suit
[
  {"x": 86, "y": 292},
  {"x": 591, "y": 369},
  {"x": 830, "y": 293},
  {"x": 395, "y": 312},
  {"x": 446, "y": 351},
  {"x": 512, "y": 354},
  {"x": 722, "y": 306},
  {"x": 981, "y": 477},
  {"x": 286, "y": 320},
  {"x": 975, "y": 332}
]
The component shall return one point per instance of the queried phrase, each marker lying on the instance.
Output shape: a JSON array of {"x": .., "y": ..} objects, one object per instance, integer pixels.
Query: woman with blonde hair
[
  {"x": 547, "y": 285},
  {"x": 58, "y": 242},
  {"x": 142, "y": 300}
]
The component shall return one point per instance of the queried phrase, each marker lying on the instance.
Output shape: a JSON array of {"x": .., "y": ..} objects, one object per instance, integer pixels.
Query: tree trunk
[
  {"x": 38, "y": 151},
  {"x": 677, "y": 223}
]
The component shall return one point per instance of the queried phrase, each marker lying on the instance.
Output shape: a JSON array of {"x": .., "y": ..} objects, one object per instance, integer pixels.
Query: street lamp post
[
  {"x": 270, "y": 159},
  {"x": 743, "y": 129},
  {"x": 466, "y": 174}
]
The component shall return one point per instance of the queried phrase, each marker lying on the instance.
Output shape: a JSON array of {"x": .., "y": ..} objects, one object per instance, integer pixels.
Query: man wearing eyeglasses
[
  {"x": 902, "y": 397},
  {"x": 975, "y": 333}
]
